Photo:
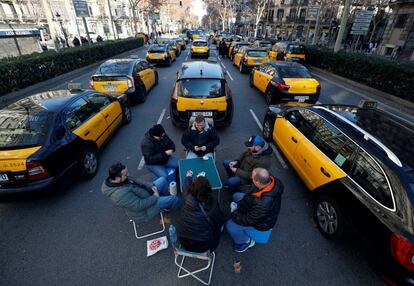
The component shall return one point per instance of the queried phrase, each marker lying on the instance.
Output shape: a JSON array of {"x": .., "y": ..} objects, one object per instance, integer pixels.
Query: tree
[
  {"x": 225, "y": 10},
  {"x": 380, "y": 15},
  {"x": 133, "y": 5},
  {"x": 258, "y": 7}
]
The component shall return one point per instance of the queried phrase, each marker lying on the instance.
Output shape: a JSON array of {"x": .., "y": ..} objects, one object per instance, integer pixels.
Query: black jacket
[
  {"x": 193, "y": 223},
  {"x": 207, "y": 137},
  {"x": 154, "y": 150},
  {"x": 259, "y": 212}
]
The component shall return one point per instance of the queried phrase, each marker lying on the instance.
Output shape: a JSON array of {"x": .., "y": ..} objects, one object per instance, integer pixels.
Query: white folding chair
[
  {"x": 134, "y": 224},
  {"x": 208, "y": 256}
]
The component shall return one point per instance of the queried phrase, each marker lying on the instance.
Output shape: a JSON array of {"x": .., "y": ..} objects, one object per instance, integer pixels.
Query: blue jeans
[
  {"x": 159, "y": 170},
  {"x": 235, "y": 230},
  {"x": 192, "y": 155},
  {"x": 233, "y": 181},
  {"x": 169, "y": 202},
  {"x": 162, "y": 186}
]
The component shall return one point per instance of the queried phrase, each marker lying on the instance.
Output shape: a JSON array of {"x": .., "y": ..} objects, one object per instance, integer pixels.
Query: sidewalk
[
  {"x": 56, "y": 81},
  {"x": 386, "y": 101}
]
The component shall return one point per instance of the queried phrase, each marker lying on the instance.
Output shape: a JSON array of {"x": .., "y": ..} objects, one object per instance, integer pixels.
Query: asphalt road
[{"x": 76, "y": 237}]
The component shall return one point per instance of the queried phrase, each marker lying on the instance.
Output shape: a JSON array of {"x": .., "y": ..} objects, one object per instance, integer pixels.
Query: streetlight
[{"x": 60, "y": 20}]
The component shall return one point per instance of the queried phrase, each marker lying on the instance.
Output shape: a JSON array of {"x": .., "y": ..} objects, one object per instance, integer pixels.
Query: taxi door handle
[
  {"x": 86, "y": 133},
  {"x": 325, "y": 173},
  {"x": 106, "y": 115},
  {"x": 294, "y": 139}
]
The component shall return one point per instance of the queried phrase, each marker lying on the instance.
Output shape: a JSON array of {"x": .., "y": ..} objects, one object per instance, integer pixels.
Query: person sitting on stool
[
  {"x": 200, "y": 139},
  {"x": 255, "y": 210}
]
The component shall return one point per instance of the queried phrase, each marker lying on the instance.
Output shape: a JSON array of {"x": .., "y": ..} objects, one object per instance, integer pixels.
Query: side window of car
[
  {"x": 100, "y": 100},
  {"x": 79, "y": 112},
  {"x": 270, "y": 70},
  {"x": 263, "y": 68},
  {"x": 369, "y": 175},
  {"x": 145, "y": 64},
  {"x": 138, "y": 68},
  {"x": 305, "y": 121}
]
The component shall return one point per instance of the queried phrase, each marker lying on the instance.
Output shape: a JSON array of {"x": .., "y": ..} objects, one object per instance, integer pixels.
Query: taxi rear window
[
  {"x": 200, "y": 88},
  {"x": 265, "y": 44},
  {"x": 296, "y": 49},
  {"x": 200, "y": 44},
  {"x": 156, "y": 49},
  {"x": 293, "y": 72},
  {"x": 257, "y": 53},
  {"x": 115, "y": 68},
  {"x": 21, "y": 130}
]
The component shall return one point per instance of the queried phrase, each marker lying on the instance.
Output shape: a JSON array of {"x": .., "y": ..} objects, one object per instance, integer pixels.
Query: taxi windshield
[
  {"x": 199, "y": 88},
  {"x": 296, "y": 49},
  {"x": 293, "y": 72},
  {"x": 20, "y": 129},
  {"x": 115, "y": 68},
  {"x": 265, "y": 44},
  {"x": 257, "y": 53},
  {"x": 200, "y": 44}
]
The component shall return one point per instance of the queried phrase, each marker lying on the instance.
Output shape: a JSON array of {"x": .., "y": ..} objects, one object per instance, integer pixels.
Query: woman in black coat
[{"x": 201, "y": 217}]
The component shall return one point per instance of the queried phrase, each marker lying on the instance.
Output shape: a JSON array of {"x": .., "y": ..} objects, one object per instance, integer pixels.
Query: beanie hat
[{"x": 157, "y": 130}]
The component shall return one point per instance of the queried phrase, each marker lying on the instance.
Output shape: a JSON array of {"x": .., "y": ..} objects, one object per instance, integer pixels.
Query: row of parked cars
[{"x": 357, "y": 161}]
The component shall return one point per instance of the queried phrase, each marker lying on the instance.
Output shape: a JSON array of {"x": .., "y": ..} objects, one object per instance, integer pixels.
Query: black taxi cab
[
  {"x": 161, "y": 54},
  {"x": 234, "y": 46},
  {"x": 288, "y": 52},
  {"x": 133, "y": 77},
  {"x": 200, "y": 48},
  {"x": 285, "y": 81},
  {"x": 181, "y": 42},
  {"x": 48, "y": 135},
  {"x": 176, "y": 46},
  {"x": 249, "y": 57},
  {"x": 358, "y": 162},
  {"x": 201, "y": 88}
]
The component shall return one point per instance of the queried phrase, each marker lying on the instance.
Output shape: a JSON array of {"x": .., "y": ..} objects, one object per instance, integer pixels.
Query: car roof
[
  {"x": 200, "y": 69},
  {"x": 49, "y": 101},
  {"x": 284, "y": 64}
]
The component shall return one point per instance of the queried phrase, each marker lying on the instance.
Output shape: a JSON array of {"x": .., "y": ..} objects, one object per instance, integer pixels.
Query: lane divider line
[
  {"x": 142, "y": 162},
  {"x": 275, "y": 151}
]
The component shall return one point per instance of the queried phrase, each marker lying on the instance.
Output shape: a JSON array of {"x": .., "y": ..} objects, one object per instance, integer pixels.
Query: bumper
[
  {"x": 281, "y": 96},
  {"x": 157, "y": 61},
  {"x": 200, "y": 54},
  {"x": 220, "y": 118},
  {"x": 30, "y": 187}
]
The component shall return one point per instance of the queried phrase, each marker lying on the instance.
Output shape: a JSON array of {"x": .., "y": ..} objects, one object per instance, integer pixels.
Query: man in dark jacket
[
  {"x": 141, "y": 200},
  {"x": 222, "y": 49},
  {"x": 200, "y": 139},
  {"x": 258, "y": 209},
  {"x": 157, "y": 148},
  {"x": 258, "y": 154}
]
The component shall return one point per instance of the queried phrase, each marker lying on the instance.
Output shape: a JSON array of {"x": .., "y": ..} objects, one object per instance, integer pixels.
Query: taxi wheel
[
  {"x": 170, "y": 62},
  {"x": 268, "y": 129},
  {"x": 329, "y": 218},
  {"x": 241, "y": 68},
  {"x": 88, "y": 163},
  {"x": 156, "y": 79},
  {"x": 269, "y": 98},
  {"x": 251, "y": 80},
  {"x": 142, "y": 94},
  {"x": 126, "y": 114}
]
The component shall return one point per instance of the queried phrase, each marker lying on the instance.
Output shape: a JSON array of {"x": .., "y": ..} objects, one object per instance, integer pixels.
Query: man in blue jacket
[{"x": 141, "y": 200}]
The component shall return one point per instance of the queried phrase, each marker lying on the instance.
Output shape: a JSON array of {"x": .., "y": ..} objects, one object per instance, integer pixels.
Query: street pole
[
  {"x": 86, "y": 29},
  {"x": 15, "y": 38},
  {"x": 344, "y": 20},
  {"x": 112, "y": 20},
  {"x": 267, "y": 17},
  {"x": 49, "y": 18}
]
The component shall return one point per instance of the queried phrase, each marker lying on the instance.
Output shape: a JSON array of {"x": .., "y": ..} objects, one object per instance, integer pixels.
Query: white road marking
[
  {"x": 227, "y": 71},
  {"x": 142, "y": 162},
  {"x": 275, "y": 151},
  {"x": 366, "y": 97}
]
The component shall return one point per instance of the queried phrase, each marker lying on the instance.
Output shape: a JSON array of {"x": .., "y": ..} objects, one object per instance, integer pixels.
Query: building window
[
  {"x": 302, "y": 14},
  {"x": 401, "y": 20},
  {"x": 280, "y": 14}
]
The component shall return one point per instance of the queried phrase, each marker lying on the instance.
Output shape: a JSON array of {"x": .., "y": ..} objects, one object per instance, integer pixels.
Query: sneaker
[{"x": 243, "y": 246}]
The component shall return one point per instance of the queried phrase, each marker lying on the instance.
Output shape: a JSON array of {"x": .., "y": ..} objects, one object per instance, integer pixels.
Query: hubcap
[
  {"x": 266, "y": 129},
  {"x": 90, "y": 163},
  {"x": 269, "y": 97},
  {"x": 127, "y": 113},
  {"x": 241, "y": 68},
  {"x": 327, "y": 217}
]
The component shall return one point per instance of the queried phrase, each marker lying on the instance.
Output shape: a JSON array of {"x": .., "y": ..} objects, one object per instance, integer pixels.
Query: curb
[
  {"x": 396, "y": 102},
  {"x": 53, "y": 82}
]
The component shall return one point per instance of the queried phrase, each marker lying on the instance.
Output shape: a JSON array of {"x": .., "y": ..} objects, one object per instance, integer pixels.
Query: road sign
[
  {"x": 81, "y": 8},
  {"x": 312, "y": 13},
  {"x": 362, "y": 22}
]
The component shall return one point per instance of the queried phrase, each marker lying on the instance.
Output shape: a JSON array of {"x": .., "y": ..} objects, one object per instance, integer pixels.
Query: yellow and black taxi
[
  {"x": 233, "y": 48},
  {"x": 161, "y": 54},
  {"x": 249, "y": 57},
  {"x": 201, "y": 88},
  {"x": 200, "y": 49},
  {"x": 176, "y": 46},
  {"x": 358, "y": 161},
  {"x": 288, "y": 52},
  {"x": 181, "y": 42},
  {"x": 133, "y": 77},
  {"x": 285, "y": 81},
  {"x": 263, "y": 44},
  {"x": 252, "y": 40},
  {"x": 46, "y": 136}
]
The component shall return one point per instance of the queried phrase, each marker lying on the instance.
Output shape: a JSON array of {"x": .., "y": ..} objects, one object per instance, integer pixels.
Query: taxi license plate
[
  {"x": 4, "y": 178},
  {"x": 110, "y": 87},
  {"x": 204, "y": 113},
  {"x": 301, "y": 98},
  {"x": 257, "y": 61}
]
